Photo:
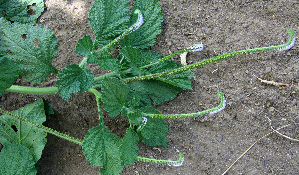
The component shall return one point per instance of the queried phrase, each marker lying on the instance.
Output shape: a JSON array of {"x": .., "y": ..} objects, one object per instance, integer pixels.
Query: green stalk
[
  {"x": 111, "y": 74},
  {"x": 98, "y": 99},
  {"x": 175, "y": 116},
  {"x": 95, "y": 92},
  {"x": 211, "y": 60},
  {"x": 33, "y": 90},
  {"x": 44, "y": 128},
  {"x": 166, "y": 58},
  {"x": 83, "y": 62},
  {"x": 170, "y": 162}
]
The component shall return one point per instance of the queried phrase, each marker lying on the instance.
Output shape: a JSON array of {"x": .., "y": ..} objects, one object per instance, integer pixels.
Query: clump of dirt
[{"x": 210, "y": 143}]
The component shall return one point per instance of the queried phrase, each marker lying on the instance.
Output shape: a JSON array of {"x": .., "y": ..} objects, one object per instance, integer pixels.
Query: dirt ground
[{"x": 209, "y": 143}]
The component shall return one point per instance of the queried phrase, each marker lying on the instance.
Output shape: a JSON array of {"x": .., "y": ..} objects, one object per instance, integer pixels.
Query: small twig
[
  {"x": 276, "y": 130},
  {"x": 272, "y": 82},
  {"x": 273, "y": 130}
]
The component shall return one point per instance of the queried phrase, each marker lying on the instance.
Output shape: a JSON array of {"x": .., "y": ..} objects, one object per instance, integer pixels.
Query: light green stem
[
  {"x": 174, "y": 116},
  {"x": 145, "y": 159},
  {"x": 95, "y": 92},
  {"x": 83, "y": 62},
  {"x": 33, "y": 90}
]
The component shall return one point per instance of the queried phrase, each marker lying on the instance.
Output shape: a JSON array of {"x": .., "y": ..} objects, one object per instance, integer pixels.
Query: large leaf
[
  {"x": 14, "y": 131},
  {"x": 132, "y": 55},
  {"x": 107, "y": 62},
  {"x": 157, "y": 90},
  {"x": 72, "y": 79},
  {"x": 33, "y": 47},
  {"x": 109, "y": 19},
  {"x": 145, "y": 36},
  {"x": 84, "y": 46},
  {"x": 87, "y": 48},
  {"x": 9, "y": 72},
  {"x": 154, "y": 132},
  {"x": 182, "y": 79},
  {"x": 115, "y": 95},
  {"x": 17, "y": 160},
  {"x": 134, "y": 58},
  {"x": 129, "y": 148},
  {"x": 101, "y": 148},
  {"x": 23, "y": 11}
]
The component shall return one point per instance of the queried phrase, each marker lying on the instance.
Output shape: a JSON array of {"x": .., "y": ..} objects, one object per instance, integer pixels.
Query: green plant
[{"x": 140, "y": 76}]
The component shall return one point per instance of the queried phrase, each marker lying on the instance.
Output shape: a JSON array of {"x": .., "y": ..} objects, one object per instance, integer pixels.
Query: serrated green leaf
[
  {"x": 154, "y": 132},
  {"x": 182, "y": 79},
  {"x": 129, "y": 148},
  {"x": 101, "y": 148},
  {"x": 14, "y": 131},
  {"x": 107, "y": 62},
  {"x": 72, "y": 79},
  {"x": 115, "y": 95},
  {"x": 133, "y": 55},
  {"x": 134, "y": 117},
  {"x": 145, "y": 36},
  {"x": 156, "y": 90},
  {"x": 9, "y": 72},
  {"x": 84, "y": 46},
  {"x": 150, "y": 56},
  {"x": 134, "y": 58},
  {"x": 109, "y": 19},
  {"x": 17, "y": 160},
  {"x": 22, "y": 11},
  {"x": 32, "y": 47}
]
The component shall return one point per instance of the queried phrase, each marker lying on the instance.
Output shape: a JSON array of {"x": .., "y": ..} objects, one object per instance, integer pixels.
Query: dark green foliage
[
  {"x": 139, "y": 78},
  {"x": 84, "y": 46},
  {"x": 72, "y": 79},
  {"x": 12, "y": 131},
  {"x": 22, "y": 11},
  {"x": 145, "y": 36},
  {"x": 109, "y": 19},
  {"x": 32, "y": 47},
  {"x": 182, "y": 79},
  {"x": 101, "y": 148},
  {"x": 107, "y": 62},
  {"x": 115, "y": 96},
  {"x": 16, "y": 159},
  {"x": 129, "y": 148},
  {"x": 156, "y": 90},
  {"x": 154, "y": 132},
  {"x": 9, "y": 72}
]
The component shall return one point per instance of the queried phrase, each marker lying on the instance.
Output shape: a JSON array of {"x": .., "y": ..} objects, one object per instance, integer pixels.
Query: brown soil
[{"x": 210, "y": 143}]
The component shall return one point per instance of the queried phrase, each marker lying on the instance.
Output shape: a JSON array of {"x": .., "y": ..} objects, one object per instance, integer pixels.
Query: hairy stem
[
  {"x": 44, "y": 128},
  {"x": 211, "y": 111},
  {"x": 211, "y": 60},
  {"x": 170, "y": 162}
]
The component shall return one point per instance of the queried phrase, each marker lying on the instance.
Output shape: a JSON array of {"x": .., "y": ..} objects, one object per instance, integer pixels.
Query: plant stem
[
  {"x": 211, "y": 60},
  {"x": 83, "y": 62},
  {"x": 211, "y": 111},
  {"x": 95, "y": 92},
  {"x": 98, "y": 99},
  {"x": 111, "y": 74},
  {"x": 44, "y": 128},
  {"x": 33, "y": 90},
  {"x": 170, "y": 162}
]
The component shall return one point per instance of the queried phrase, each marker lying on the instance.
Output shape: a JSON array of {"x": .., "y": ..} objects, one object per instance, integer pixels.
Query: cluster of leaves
[
  {"x": 140, "y": 78},
  {"x": 27, "y": 50}
]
